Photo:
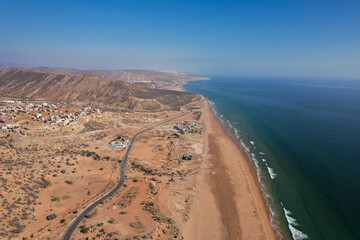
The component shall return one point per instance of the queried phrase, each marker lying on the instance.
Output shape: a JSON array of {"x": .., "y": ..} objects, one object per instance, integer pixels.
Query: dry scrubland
[
  {"x": 185, "y": 179},
  {"x": 50, "y": 172},
  {"x": 37, "y": 85}
]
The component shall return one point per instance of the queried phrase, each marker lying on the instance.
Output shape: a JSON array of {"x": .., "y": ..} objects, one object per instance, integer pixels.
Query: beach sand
[{"x": 228, "y": 203}]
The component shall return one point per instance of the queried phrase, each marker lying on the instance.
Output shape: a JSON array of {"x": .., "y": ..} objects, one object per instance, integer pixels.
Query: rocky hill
[{"x": 39, "y": 85}]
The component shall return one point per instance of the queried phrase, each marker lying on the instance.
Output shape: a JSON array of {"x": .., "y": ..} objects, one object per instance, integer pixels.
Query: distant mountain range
[
  {"x": 155, "y": 76},
  {"x": 40, "y": 85},
  {"x": 148, "y": 77}
]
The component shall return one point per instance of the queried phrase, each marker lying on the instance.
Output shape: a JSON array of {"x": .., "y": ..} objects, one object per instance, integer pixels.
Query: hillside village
[{"x": 15, "y": 113}]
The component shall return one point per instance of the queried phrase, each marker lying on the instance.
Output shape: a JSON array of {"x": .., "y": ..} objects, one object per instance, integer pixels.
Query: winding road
[{"x": 66, "y": 235}]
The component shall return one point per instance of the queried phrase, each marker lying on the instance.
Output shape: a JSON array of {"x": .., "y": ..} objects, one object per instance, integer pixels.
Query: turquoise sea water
[{"x": 303, "y": 137}]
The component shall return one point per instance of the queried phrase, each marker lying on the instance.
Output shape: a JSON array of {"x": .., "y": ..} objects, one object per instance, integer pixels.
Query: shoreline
[
  {"x": 249, "y": 165},
  {"x": 256, "y": 197},
  {"x": 240, "y": 205}
]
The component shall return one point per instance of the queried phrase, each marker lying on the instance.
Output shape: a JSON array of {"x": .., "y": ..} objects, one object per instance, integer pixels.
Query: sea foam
[
  {"x": 270, "y": 171},
  {"x": 296, "y": 233},
  {"x": 237, "y": 135},
  {"x": 247, "y": 149},
  {"x": 255, "y": 160}
]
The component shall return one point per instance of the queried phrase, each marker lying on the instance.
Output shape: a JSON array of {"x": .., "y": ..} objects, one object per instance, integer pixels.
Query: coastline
[
  {"x": 249, "y": 172},
  {"x": 235, "y": 207},
  {"x": 231, "y": 181}
]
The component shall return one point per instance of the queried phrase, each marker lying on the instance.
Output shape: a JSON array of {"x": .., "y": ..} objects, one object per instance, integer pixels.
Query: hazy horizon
[{"x": 257, "y": 39}]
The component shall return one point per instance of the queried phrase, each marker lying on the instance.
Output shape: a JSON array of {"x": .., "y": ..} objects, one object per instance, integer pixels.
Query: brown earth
[
  {"x": 49, "y": 172},
  {"x": 61, "y": 169},
  {"x": 164, "y": 186},
  {"x": 37, "y": 85}
]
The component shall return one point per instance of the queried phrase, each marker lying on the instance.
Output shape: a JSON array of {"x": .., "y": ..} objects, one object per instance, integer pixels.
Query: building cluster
[
  {"x": 148, "y": 83},
  {"x": 156, "y": 86},
  {"x": 186, "y": 127},
  {"x": 138, "y": 81},
  {"x": 50, "y": 113}
]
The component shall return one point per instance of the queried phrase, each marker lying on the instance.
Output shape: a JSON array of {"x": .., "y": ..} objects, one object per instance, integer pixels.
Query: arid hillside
[
  {"x": 147, "y": 76},
  {"x": 38, "y": 85}
]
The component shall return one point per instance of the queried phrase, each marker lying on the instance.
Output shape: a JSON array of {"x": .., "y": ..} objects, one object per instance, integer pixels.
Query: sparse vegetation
[
  {"x": 66, "y": 160},
  {"x": 112, "y": 91},
  {"x": 53, "y": 198},
  {"x": 51, "y": 216},
  {"x": 138, "y": 225}
]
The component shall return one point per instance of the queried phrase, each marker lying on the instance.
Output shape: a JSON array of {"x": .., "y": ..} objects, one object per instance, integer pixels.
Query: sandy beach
[{"x": 229, "y": 202}]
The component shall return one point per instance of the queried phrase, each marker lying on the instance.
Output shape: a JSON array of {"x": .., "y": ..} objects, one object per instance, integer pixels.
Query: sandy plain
[{"x": 60, "y": 170}]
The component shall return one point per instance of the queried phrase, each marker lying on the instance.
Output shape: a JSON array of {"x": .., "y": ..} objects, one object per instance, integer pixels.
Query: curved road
[{"x": 66, "y": 235}]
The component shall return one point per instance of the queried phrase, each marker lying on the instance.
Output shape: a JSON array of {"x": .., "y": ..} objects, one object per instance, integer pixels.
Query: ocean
[{"x": 303, "y": 138}]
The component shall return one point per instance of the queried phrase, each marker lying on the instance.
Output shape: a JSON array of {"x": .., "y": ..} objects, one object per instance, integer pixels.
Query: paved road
[{"x": 66, "y": 235}]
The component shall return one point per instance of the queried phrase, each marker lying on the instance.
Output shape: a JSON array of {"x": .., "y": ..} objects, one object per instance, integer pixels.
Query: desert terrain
[
  {"x": 50, "y": 171},
  {"x": 184, "y": 179}
]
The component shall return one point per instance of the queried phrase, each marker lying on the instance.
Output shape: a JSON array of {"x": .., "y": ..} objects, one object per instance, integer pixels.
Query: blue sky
[{"x": 293, "y": 38}]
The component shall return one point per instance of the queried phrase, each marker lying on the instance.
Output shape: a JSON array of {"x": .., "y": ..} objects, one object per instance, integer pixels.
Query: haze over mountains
[
  {"x": 39, "y": 85},
  {"x": 158, "y": 77}
]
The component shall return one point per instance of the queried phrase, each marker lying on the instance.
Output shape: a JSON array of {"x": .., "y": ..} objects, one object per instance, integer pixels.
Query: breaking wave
[
  {"x": 292, "y": 223},
  {"x": 260, "y": 172},
  {"x": 270, "y": 171}
]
